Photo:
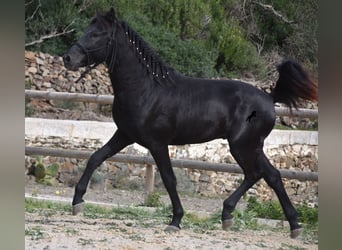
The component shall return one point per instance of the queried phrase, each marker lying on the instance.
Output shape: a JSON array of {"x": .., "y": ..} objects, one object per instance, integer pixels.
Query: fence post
[{"x": 149, "y": 180}]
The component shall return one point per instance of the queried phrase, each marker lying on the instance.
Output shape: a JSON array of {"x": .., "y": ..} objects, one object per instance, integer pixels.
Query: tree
[{"x": 46, "y": 21}]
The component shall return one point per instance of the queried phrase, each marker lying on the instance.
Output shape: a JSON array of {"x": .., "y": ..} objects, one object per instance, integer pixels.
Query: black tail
[{"x": 293, "y": 84}]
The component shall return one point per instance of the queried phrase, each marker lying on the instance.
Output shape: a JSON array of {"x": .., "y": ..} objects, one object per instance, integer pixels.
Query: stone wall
[
  {"x": 46, "y": 72},
  {"x": 206, "y": 183}
]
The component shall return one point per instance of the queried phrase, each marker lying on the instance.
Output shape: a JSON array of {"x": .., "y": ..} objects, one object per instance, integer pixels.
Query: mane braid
[{"x": 154, "y": 65}]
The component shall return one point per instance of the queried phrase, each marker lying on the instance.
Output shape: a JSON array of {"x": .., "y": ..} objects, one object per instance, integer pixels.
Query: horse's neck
[
  {"x": 127, "y": 72},
  {"x": 137, "y": 66}
]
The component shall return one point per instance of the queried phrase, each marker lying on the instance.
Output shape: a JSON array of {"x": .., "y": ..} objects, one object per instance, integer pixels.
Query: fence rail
[
  {"x": 180, "y": 163},
  {"x": 108, "y": 99}
]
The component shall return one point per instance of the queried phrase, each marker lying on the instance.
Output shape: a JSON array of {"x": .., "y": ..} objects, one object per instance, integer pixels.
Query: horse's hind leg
[
  {"x": 246, "y": 160},
  {"x": 114, "y": 145},
  {"x": 273, "y": 179},
  {"x": 255, "y": 165},
  {"x": 230, "y": 203}
]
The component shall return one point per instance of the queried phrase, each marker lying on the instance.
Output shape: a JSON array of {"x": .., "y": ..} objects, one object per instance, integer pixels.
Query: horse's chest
[
  {"x": 127, "y": 118},
  {"x": 123, "y": 118}
]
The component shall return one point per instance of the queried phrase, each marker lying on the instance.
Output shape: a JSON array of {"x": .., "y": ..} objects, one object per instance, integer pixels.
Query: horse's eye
[
  {"x": 94, "y": 34},
  {"x": 97, "y": 34}
]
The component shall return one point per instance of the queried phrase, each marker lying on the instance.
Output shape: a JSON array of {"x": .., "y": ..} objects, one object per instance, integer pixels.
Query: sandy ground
[
  {"x": 75, "y": 232},
  {"x": 64, "y": 231}
]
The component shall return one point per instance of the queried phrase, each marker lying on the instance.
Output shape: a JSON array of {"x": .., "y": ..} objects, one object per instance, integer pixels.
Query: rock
[
  {"x": 195, "y": 177},
  {"x": 29, "y": 55},
  {"x": 197, "y": 151},
  {"x": 46, "y": 84},
  {"x": 204, "y": 178},
  {"x": 32, "y": 70},
  {"x": 42, "y": 55},
  {"x": 45, "y": 72},
  {"x": 68, "y": 167},
  {"x": 253, "y": 192},
  {"x": 39, "y": 61}
]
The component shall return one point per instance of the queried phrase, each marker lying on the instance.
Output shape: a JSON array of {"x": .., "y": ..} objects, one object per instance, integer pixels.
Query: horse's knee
[{"x": 95, "y": 159}]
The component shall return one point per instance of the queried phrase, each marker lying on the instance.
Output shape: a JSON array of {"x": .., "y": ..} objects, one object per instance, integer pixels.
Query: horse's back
[{"x": 211, "y": 109}]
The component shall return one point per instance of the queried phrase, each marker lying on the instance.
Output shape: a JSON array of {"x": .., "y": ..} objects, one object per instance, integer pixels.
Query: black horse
[{"x": 155, "y": 106}]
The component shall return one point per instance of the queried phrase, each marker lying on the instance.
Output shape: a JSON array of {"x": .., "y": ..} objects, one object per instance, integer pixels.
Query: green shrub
[
  {"x": 153, "y": 200},
  {"x": 96, "y": 177},
  {"x": 273, "y": 210},
  {"x": 267, "y": 209},
  {"x": 308, "y": 215},
  {"x": 190, "y": 57},
  {"x": 236, "y": 54},
  {"x": 184, "y": 18},
  {"x": 29, "y": 111}
]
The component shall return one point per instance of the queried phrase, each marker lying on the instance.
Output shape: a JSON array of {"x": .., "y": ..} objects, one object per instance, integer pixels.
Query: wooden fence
[
  {"x": 149, "y": 162},
  {"x": 146, "y": 160},
  {"x": 108, "y": 99},
  {"x": 179, "y": 163}
]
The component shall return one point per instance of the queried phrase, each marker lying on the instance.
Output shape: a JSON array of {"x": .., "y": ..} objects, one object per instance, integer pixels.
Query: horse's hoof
[
  {"x": 295, "y": 233},
  {"x": 171, "y": 229},
  {"x": 78, "y": 208},
  {"x": 226, "y": 224}
]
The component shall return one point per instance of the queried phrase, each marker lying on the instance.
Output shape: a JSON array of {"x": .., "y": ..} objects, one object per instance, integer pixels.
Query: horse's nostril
[{"x": 66, "y": 58}]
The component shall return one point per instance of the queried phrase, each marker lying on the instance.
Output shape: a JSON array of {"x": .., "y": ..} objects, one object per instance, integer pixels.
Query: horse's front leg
[
  {"x": 162, "y": 159},
  {"x": 114, "y": 145}
]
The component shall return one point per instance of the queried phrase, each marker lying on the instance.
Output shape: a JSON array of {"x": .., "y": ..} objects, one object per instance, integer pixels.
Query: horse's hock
[{"x": 45, "y": 72}]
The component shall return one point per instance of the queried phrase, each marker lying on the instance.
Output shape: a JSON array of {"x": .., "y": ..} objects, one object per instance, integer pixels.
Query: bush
[
  {"x": 197, "y": 37},
  {"x": 153, "y": 200},
  {"x": 184, "y": 18},
  {"x": 190, "y": 57},
  {"x": 47, "y": 17},
  {"x": 273, "y": 210},
  {"x": 236, "y": 53},
  {"x": 268, "y": 210}
]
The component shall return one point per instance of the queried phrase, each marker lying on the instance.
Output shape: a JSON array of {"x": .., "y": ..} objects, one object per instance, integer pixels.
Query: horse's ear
[
  {"x": 111, "y": 14},
  {"x": 98, "y": 12}
]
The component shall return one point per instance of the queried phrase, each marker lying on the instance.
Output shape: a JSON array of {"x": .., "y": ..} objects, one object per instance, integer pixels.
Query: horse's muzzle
[
  {"x": 69, "y": 63},
  {"x": 74, "y": 59}
]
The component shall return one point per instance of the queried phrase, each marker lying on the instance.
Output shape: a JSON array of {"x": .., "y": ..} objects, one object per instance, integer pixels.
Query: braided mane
[{"x": 155, "y": 66}]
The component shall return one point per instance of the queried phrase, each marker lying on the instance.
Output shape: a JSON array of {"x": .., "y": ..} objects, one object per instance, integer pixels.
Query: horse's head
[{"x": 96, "y": 45}]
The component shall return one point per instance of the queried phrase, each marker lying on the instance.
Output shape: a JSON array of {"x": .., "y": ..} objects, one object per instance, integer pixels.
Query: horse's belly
[
  {"x": 184, "y": 141},
  {"x": 193, "y": 136}
]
